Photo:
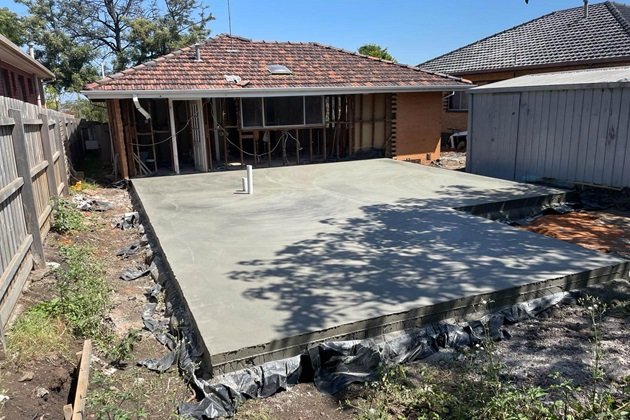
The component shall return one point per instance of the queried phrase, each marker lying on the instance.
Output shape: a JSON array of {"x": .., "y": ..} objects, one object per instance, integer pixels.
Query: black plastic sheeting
[
  {"x": 134, "y": 273},
  {"x": 337, "y": 364}
]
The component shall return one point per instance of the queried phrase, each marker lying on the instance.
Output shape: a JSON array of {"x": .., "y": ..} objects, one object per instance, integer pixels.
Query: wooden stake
[
  {"x": 78, "y": 409},
  {"x": 171, "y": 114}
]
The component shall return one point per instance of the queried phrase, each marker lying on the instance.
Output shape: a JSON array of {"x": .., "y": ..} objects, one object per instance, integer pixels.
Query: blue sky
[{"x": 412, "y": 30}]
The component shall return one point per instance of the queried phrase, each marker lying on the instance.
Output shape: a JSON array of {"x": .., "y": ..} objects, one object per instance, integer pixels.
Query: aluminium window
[
  {"x": 458, "y": 101},
  {"x": 282, "y": 111}
]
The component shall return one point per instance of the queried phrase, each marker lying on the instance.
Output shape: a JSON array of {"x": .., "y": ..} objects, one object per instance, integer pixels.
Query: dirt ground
[
  {"x": 129, "y": 391},
  {"x": 451, "y": 160}
]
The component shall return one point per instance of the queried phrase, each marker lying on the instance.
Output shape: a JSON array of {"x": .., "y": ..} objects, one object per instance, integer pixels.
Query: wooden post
[
  {"x": 48, "y": 155},
  {"x": 119, "y": 138},
  {"x": 171, "y": 114},
  {"x": 215, "y": 124},
  {"x": 373, "y": 119},
  {"x": 78, "y": 409},
  {"x": 61, "y": 143},
  {"x": 28, "y": 196}
]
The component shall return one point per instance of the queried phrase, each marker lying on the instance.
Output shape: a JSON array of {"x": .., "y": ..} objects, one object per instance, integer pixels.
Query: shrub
[{"x": 66, "y": 217}]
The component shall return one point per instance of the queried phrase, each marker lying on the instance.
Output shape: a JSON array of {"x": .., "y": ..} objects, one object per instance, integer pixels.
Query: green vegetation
[
  {"x": 377, "y": 51},
  {"x": 66, "y": 217},
  {"x": 108, "y": 402},
  {"x": 120, "y": 350},
  {"x": 37, "y": 333},
  {"x": 476, "y": 385}
]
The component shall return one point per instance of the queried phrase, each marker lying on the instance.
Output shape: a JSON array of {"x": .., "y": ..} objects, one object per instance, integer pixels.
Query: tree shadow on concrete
[{"x": 399, "y": 256}]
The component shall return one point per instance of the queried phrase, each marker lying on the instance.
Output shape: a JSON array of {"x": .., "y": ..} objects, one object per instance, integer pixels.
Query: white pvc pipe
[
  {"x": 250, "y": 180},
  {"x": 244, "y": 179}
]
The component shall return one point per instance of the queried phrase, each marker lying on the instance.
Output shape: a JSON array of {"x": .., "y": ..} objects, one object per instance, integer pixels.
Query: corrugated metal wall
[{"x": 567, "y": 135}]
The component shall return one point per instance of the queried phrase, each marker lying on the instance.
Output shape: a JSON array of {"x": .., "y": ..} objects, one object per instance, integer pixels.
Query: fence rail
[{"x": 33, "y": 169}]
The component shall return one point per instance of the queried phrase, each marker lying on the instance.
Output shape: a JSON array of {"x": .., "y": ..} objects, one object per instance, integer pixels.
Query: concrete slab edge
[{"x": 464, "y": 308}]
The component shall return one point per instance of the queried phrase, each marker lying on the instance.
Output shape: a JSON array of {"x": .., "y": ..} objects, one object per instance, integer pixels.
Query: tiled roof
[
  {"x": 312, "y": 65},
  {"x": 562, "y": 37}
]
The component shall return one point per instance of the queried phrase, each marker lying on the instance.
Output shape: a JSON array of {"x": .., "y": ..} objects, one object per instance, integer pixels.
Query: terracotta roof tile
[
  {"x": 557, "y": 38},
  {"x": 311, "y": 64}
]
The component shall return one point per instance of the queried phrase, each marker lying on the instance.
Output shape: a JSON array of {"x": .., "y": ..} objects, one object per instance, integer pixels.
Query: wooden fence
[{"x": 33, "y": 169}]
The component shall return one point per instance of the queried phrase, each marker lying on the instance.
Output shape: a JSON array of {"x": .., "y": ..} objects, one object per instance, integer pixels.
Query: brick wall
[{"x": 418, "y": 120}]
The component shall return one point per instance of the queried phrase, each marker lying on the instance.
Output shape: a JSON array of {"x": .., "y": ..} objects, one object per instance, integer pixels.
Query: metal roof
[{"x": 578, "y": 79}]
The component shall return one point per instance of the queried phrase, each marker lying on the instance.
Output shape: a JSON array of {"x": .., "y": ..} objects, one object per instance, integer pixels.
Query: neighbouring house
[
  {"x": 21, "y": 76},
  {"x": 591, "y": 36},
  {"x": 564, "y": 127},
  {"x": 230, "y": 101}
]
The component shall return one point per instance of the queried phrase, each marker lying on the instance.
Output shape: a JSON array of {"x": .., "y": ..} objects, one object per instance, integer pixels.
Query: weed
[
  {"x": 83, "y": 294},
  {"x": 66, "y": 217},
  {"x": 107, "y": 402},
  {"x": 37, "y": 333},
  {"x": 119, "y": 350}
]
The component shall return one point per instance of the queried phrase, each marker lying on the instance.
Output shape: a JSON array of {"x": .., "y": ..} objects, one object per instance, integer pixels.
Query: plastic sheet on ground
[
  {"x": 337, "y": 364},
  {"x": 221, "y": 399},
  {"x": 128, "y": 220},
  {"x": 134, "y": 273},
  {"x": 90, "y": 204}
]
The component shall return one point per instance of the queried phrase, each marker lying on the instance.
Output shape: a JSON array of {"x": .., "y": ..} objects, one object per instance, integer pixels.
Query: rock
[
  {"x": 110, "y": 371},
  {"x": 27, "y": 376},
  {"x": 51, "y": 265},
  {"x": 3, "y": 398},
  {"x": 41, "y": 393}
]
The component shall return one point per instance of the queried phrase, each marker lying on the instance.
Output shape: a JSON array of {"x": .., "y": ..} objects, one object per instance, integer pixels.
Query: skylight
[{"x": 278, "y": 69}]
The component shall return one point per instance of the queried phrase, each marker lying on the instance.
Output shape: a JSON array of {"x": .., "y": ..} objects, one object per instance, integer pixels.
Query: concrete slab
[{"x": 347, "y": 249}]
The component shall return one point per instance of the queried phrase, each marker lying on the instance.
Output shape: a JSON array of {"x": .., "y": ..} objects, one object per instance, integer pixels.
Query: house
[
  {"x": 591, "y": 36},
  {"x": 563, "y": 127},
  {"x": 21, "y": 76},
  {"x": 230, "y": 101}
]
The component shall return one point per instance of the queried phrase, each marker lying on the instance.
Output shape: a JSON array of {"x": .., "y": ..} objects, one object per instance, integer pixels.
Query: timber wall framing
[{"x": 33, "y": 169}]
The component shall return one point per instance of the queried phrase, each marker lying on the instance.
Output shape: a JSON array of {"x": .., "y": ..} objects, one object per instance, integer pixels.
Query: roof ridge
[
  {"x": 613, "y": 8},
  {"x": 497, "y": 34},
  {"x": 408, "y": 66}
]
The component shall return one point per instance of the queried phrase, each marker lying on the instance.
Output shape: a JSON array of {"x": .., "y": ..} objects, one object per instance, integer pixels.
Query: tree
[
  {"x": 73, "y": 37},
  {"x": 374, "y": 50},
  {"x": 12, "y": 26}
]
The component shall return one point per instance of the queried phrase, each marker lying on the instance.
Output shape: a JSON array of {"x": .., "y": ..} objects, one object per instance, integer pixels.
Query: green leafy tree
[
  {"x": 86, "y": 109},
  {"x": 12, "y": 26},
  {"x": 377, "y": 51},
  {"x": 73, "y": 37}
]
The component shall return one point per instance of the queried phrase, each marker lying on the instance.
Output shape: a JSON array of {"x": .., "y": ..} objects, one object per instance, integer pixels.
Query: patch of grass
[
  {"x": 83, "y": 294},
  {"x": 37, "y": 333},
  {"x": 66, "y": 217},
  {"x": 107, "y": 402}
]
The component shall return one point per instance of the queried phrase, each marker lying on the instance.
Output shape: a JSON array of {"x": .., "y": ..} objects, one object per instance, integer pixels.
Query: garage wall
[
  {"x": 418, "y": 122},
  {"x": 575, "y": 136}
]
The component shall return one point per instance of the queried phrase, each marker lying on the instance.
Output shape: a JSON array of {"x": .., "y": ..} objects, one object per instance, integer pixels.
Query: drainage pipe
[{"x": 143, "y": 111}]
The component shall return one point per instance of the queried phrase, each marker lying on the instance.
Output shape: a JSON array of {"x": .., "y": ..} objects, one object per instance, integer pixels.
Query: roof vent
[
  {"x": 278, "y": 69},
  {"x": 197, "y": 53},
  {"x": 585, "y": 9}
]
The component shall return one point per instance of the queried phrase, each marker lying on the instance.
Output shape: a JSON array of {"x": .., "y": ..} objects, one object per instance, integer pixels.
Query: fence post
[
  {"x": 62, "y": 149},
  {"x": 50, "y": 170},
  {"x": 28, "y": 196}
]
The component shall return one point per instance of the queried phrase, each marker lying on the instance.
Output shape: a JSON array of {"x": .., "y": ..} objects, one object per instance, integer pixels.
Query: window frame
[
  {"x": 304, "y": 124},
  {"x": 459, "y": 108}
]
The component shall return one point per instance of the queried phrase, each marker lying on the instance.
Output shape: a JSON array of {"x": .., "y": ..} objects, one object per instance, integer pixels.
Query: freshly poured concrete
[{"x": 338, "y": 249}]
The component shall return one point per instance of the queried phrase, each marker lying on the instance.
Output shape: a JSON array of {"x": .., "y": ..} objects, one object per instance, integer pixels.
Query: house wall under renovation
[{"x": 162, "y": 136}]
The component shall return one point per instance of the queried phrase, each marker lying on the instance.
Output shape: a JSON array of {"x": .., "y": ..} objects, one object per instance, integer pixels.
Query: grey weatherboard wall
[{"x": 575, "y": 135}]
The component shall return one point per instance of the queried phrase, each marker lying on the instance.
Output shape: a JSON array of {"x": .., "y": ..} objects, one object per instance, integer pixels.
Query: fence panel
[{"x": 32, "y": 170}]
